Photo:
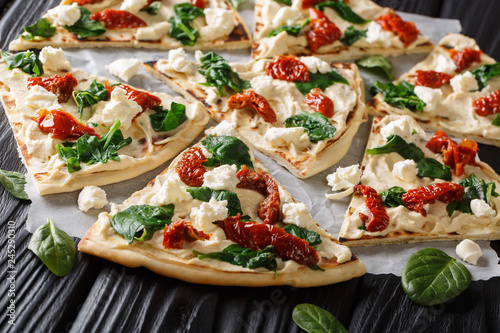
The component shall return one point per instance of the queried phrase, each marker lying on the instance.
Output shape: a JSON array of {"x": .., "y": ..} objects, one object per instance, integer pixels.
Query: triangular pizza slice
[
  {"x": 216, "y": 216},
  {"x": 75, "y": 129},
  {"x": 333, "y": 30},
  {"x": 165, "y": 24}
]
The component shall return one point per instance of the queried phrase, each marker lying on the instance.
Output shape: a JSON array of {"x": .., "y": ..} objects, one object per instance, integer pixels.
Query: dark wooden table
[{"x": 100, "y": 296}]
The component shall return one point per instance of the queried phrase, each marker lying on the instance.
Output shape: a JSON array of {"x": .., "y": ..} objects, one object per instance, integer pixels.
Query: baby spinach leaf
[
  {"x": 392, "y": 197},
  {"x": 227, "y": 149},
  {"x": 153, "y": 8},
  {"x": 205, "y": 193},
  {"x": 85, "y": 26},
  {"x": 344, "y": 11},
  {"x": 181, "y": 28},
  {"x": 27, "y": 61},
  {"x": 14, "y": 182},
  {"x": 351, "y": 35},
  {"x": 41, "y": 28},
  {"x": 236, "y": 3},
  {"x": 496, "y": 121},
  {"x": 321, "y": 81},
  {"x": 96, "y": 92},
  {"x": 219, "y": 74},
  {"x": 285, "y": 2},
  {"x": 292, "y": 30},
  {"x": 317, "y": 126},
  {"x": 312, "y": 237},
  {"x": 429, "y": 167},
  {"x": 314, "y": 319},
  {"x": 474, "y": 189},
  {"x": 397, "y": 144},
  {"x": 401, "y": 95},
  {"x": 69, "y": 156},
  {"x": 486, "y": 72},
  {"x": 54, "y": 247},
  {"x": 240, "y": 256},
  {"x": 166, "y": 120},
  {"x": 378, "y": 62},
  {"x": 432, "y": 277},
  {"x": 140, "y": 222}
]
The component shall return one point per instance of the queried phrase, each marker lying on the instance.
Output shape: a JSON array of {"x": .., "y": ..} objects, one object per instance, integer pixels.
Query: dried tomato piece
[
  {"x": 407, "y": 32},
  {"x": 179, "y": 232},
  {"x": 488, "y": 104},
  {"x": 118, "y": 19},
  {"x": 378, "y": 219},
  {"x": 431, "y": 79},
  {"x": 62, "y": 125},
  {"x": 198, "y": 3},
  {"x": 322, "y": 32},
  {"x": 251, "y": 100},
  {"x": 415, "y": 199},
  {"x": 144, "y": 99},
  {"x": 319, "y": 102},
  {"x": 190, "y": 168},
  {"x": 61, "y": 86},
  {"x": 464, "y": 58},
  {"x": 85, "y": 2},
  {"x": 258, "y": 236},
  {"x": 287, "y": 68}
]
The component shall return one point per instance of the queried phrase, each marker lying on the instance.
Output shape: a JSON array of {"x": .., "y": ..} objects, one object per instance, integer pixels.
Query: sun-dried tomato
[
  {"x": 258, "y": 236},
  {"x": 378, "y": 220},
  {"x": 431, "y": 79},
  {"x": 464, "y": 58},
  {"x": 190, "y": 168},
  {"x": 322, "y": 32},
  {"x": 415, "y": 199},
  {"x": 287, "y": 68},
  {"x": 319, "y": 102},
  {"x": 455, "y": 155},
  {"x": 407, "y": 32},
  {"x": 118, "y": 19},
  {"x": 61, "y": 86},
  {"x": 84, "y": 2},
  {"x": 251, "y": 100},
  {"x": 198, "y": 3},
  {"x": 179, "y": 232},
  {"x": 488, "y": 104},
  {"x": 310, "y": 3},
  {"x": 62, "y": 125},
  {"x": 144, "y": 99}
]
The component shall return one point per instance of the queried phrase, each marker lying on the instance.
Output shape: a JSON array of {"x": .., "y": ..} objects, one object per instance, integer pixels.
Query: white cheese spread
[
  {"x": 221, "y": 178},
  {"x": 133, "y": 6},
  {"x": 154, "y": 32},
  {"x": 180, "y": 62},
  {"x": 315, "y": 64},
  {"x": 207, "y": 213},
  {"x": 429, "y": 96},
  {"x": 286, "y": 16},
  {"x": 464, "y": 82},
  {"x": 39, "y": 98},
  {"x": 405, "y": 170},
  {"x": 376, "y": 34},
  {"x": 445, "y": 65},
  {"x": 220, "y": 22},
  {"x": 173, "y": 190},
  {"x": 282, "y": 137},
  {"x": 119, "y": 107}
]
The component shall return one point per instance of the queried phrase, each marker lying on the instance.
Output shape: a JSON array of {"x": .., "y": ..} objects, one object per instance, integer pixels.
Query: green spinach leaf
[
  {"x": 96, "y": 92},
  {"x": 486, "y": 72},
  {"x": 240, "y": 256},
  {"x": 392, "y": 197},
  {"x": 181, "y": 28},
  {"x": 227, "y": 150},
  {"x": 351, "y": 35},
  {"x": 312, "y": 237},
  {"x": 27, "y": 61},
  {"x": 285, "y": 2},
  {"x": 14, "y": 183},
  {"x": 69, "y": 156},
  {"x": 166, "y": 120},
  {"x": 475, "y": 188},
  {"x": 401, "y": 95},
  {"x": 378, "y": 62},
  {"x": 54, "y": 247},
  {"x": 432, "y": 277},
  {"x": 397, "y": 144},
  {"x": 236, "y": 3},
  {"x": 292, "y": 30},
  {"x": 344, "y": 11},
  {"x": 41, "y": 28},
  {"x": 219, "y": 74},
  {"x": 317, "y": 126},
  {"x": 321, "y": 81},
  {"x": 86, "y": 27},
  {"x": 429, "y": 167},
  {"x": 496, "y": 121},
  {"x": 205, "y": 193},
  {"x": 314, "y": 319},
  {"x": 153, "y": 8}
]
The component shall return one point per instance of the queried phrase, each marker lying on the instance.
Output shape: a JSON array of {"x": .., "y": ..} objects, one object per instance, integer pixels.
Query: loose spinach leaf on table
[
  {"x": 166, "y": 120},
  {"x": 486, "y": 72},
  {"x": 429, "y": 167},
  {"x": 378, "y": 62},
  {"x": 153, "y": 8},
  {"x": 401, "y": 95},
  {"x": 321, "y": 81},
  {"x": 240, "y": 256},
  {"x": 140, "y": 222},
  {"x": 219, "y": 74},
  {"x": 85, "y": 26},
  {"x": 314, "y": 319},
  {"x": 351, "y": 35},
  {"x": 397, "y": 144},
  {"x": 317, "y": 126},
  {"x": 96, "y": 92},
  {"x": 181, "y": 28},
  {"x": 343, "y": 10},
  {"x": 475, "y": 188},
  {"x": 14, "y": 183},
  {"x": 292, "y": 30},
  {"x": 312, "y": 237},
  {"x": 54, "y": 247},
  {"x": 41, "y": 28},
  {"x": 392, "y": 196},
  {"x": 27, "y": 61},
  {"x": 205, "y": 193},
  {"x": 496, "y": 121},
  {"x": 432, "y": 277},
  {"x": 285, "y": 2},
  {"x": 227, "y": 149}
]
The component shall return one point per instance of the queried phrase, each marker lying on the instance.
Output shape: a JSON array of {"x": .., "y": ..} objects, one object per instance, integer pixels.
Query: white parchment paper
[{"x": 63, "y": 208}]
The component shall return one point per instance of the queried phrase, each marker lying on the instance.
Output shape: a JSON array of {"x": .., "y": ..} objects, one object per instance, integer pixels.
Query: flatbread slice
[
  {"x": 111, "y": 138},
  {"x": 228, "y": 208},
  {"x": 445, "y": 100},
  {"x": 431, "y": 208},
  {"x": 354, "y": 31},
  {"x": 292, "y": 145},
  {"x": 217, "y": 26}
]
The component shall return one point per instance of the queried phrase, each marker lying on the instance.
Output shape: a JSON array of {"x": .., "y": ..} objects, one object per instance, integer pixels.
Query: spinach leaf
[
  {"x": 96, "y": 92},
  {"x": 86, "y": 27},
  {"x": 27, "y": 61},
  {"x": 153, "y": 8},
  {"x": 474, "y": 189},
  {"x": 312, "y": 237},
  {"x": 236, "y": 3},
  {"x": 181, "y": 29},
  {"x": 351, "y": 35},
  {"x": 397, "y": 144},
  {"x": 344, "y": 11},
  {"x": 140, "y": 222},
  {"x": 219, "y": 74},
  {"x": 392, "y": 197},
  {"x": 401, "y": 95},
  {"x": 54, "y": 247},
  {"x": 321, "y": 81},
  {"x": 486, "y": 72},
  {"x": 432, "y": 277},
  {"x": 317, "y": 126},
  {"x": 378, "y": 62},
  {"x": 205, "y": 193},
  {"x": 496, "y": 121},
  {"x": 69, "y": 156},
  {"x": 429, "y": 167},
  {"x": 14, "y": 183},
  {"x": 41, "y": 28},
  {"x": 314, "y": 319},
  {"x": 285, "y": 2},
  {"x": 240, "y": 256},
  {"x": 166, "y": 120},
  {"x": 227, "y": 150},
  {"x": 292, "y": 30}
]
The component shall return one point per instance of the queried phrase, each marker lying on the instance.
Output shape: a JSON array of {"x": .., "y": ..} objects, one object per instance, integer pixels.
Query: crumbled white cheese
[
  {"x": 263, "y": 85},
  {"x": 91, "y": 197},
  {"x": 207, "y": 213},
  {"x": 154, "y": 32},
  {"x": 197, "y": 56},
  {"x": 298, "y": 214},
  {"x": 180, "y": 62},
  {"x": 286, "y": 16},
  {"x": 39, "y": 98},
  {"x": 376, "y": 33},
  {"x": 464, "y": 82},
  {"x": 64, "y": 14},
  {"x": 399, "y": 127},
  {"x": 133, "y": 6},
  {"x": 221, "y": 178},
  {"x": 315, "y": 64},
  {"x": 429, "y": 96},
  {"x": 445, "y": 65},
  {"x": 343, "y": 178},
  {"x": 405, "y": 170},
  {"x": 212, "y": 96},
  {"x": 469, "y": 251},
  {"x": 173, "y": 190},
  {"x": 282, "y": 136},
  {"x": 119, "y": 107},
  {"x": 125, "y": 69},
  {"x": 480, "y": 208},
  {"x": 53, "y": 59},
  {"x": 220, "y": 22},
  {"x": 275, "y": 45},
  {"x": 224, "y": 128}
]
